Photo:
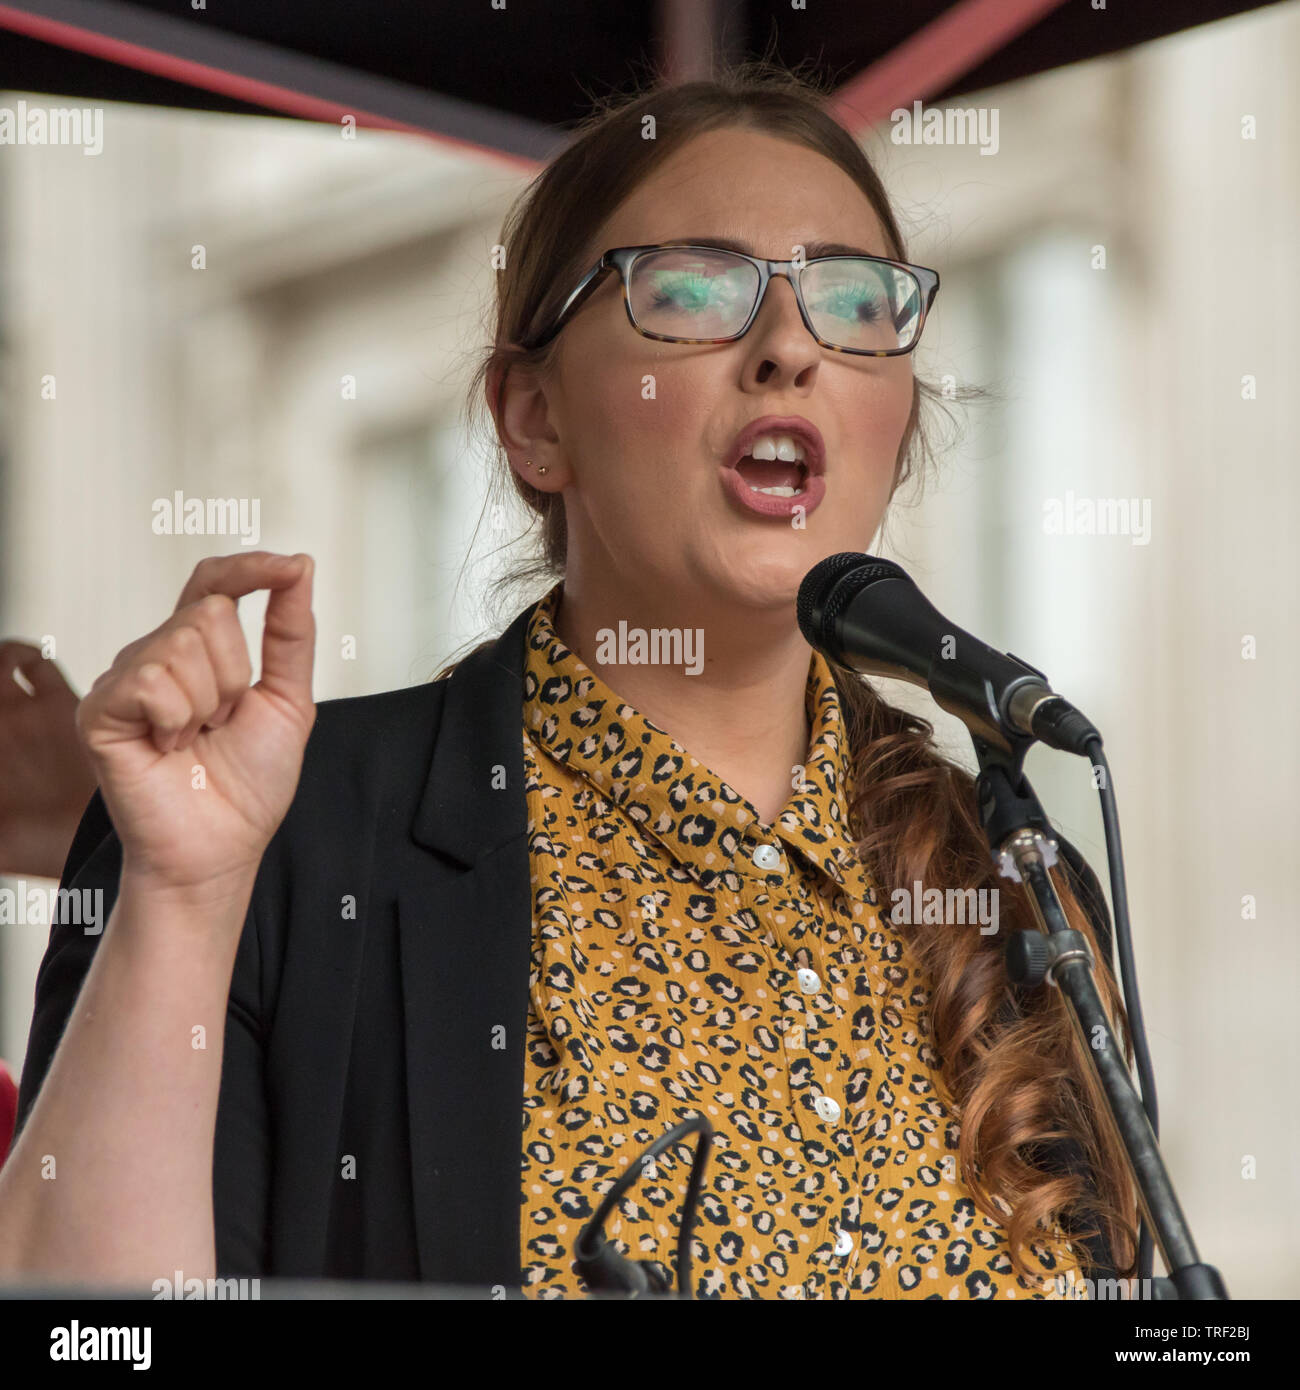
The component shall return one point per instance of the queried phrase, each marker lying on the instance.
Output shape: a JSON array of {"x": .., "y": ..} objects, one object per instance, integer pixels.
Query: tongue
[{"x": 770, "y": 473}]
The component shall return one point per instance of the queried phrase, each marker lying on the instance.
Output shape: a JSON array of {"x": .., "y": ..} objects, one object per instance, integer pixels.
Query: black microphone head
[
  {"x": 816, "y": 584},
  {"x": 819, "y": 604}
]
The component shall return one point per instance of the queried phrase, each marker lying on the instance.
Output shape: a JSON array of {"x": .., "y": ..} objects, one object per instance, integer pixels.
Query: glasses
[{"x": 702, "y": 294}]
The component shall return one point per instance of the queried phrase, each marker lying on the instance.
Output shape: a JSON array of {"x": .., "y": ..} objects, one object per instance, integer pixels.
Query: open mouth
[
  {"x": 774, "y": 477},
  {"x": 777, "y": 468},
  {"x": 774, "y": 466}
]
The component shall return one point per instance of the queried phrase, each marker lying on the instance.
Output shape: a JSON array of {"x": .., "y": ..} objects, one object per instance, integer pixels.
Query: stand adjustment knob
[{"x": 1028, "y": 954}]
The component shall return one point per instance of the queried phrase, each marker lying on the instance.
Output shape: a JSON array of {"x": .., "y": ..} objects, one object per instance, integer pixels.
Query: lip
[{"x": 814, "y": 488}]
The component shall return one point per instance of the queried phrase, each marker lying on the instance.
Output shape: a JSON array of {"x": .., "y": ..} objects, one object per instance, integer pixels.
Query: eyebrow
[{"x": 812, "y": 249}]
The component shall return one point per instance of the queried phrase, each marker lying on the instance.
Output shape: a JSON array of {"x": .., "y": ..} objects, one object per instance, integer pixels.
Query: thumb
[{"x": 289, "y": 637}]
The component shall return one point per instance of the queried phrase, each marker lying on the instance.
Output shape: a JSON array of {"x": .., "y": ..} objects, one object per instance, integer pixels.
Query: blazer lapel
[{"x": 465, "y": 925}]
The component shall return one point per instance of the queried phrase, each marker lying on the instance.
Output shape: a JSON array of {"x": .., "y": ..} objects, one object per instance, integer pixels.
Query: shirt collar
[{"x": 580, "y": 722}]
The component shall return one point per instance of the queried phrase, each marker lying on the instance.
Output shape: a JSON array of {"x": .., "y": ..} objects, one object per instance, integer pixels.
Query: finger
[
  {"x": 221, "y": 715},
  {"x": 289, "y": 637},
  {"x": 41, "y": 674},
  {"x": 163, "y": 703},
  {"x": 47, "y": 678},
  {"x": 236, "y": 575},
  {"x": 217, "y": 619},
  {"x": 144, "y": 699},
  {"x": 190, "y": 666},
  {"x": 14, "y": 653}
]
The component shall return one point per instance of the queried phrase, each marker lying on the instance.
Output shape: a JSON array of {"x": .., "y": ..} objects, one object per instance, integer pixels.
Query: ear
[{"x": 517, "y": 399}]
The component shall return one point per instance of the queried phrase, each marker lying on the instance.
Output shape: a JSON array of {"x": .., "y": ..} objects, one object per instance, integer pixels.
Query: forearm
[{"x": 111, "y": 1179}]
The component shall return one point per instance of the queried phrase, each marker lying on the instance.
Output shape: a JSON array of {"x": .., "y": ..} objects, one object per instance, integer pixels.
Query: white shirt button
[
  {"x": 826, "y": 1108},
  {"x": 767, "y": 857},
  {"x": 843, "y": 1243},
  {"x": 809, "y": 981}
]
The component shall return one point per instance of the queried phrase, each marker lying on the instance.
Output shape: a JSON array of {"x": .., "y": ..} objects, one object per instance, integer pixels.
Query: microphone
[{"x": 867, "y": 614}]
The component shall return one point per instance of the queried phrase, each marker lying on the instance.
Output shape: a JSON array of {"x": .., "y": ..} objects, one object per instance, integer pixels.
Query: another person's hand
[
  {"x": 46, "y": 777},
  {"x": 197, "y": 767}
]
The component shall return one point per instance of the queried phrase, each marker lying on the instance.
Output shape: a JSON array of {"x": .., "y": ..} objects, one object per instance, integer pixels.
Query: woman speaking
[{"x": 396, "y": 988}]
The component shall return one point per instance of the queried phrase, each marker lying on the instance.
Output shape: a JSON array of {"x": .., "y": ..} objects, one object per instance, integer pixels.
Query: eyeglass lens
[{"x": 692, "y": 293}]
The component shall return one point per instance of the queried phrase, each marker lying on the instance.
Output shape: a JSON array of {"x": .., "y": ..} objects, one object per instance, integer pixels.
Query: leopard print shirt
[{"x": 689, "y": 959}]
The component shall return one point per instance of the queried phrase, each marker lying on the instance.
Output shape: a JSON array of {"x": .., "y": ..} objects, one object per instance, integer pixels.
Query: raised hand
[{"x": 197, "y": 766}]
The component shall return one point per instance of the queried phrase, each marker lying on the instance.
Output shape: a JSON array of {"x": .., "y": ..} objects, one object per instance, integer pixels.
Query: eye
[
  {"x": 681, "y": 289},
  {"x": 862, "y": 302}
]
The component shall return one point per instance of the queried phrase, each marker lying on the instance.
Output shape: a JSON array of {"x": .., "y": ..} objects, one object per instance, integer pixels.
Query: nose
[{"x": 780, "y": 349}]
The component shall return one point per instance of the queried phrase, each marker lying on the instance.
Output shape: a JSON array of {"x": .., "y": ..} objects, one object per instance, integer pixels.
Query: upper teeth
[{"x": 777, "y": 446}]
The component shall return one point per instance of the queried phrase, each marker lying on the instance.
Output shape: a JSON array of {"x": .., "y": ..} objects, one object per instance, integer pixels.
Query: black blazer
[{"x": 392, "y": 1033}]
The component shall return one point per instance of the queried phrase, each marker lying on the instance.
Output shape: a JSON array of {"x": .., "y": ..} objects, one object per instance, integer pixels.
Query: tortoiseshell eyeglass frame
[{"x": 622, "y": 258}]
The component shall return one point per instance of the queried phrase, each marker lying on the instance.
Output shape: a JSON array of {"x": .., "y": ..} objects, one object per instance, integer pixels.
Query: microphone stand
[{"x": 1024, "y": 849}]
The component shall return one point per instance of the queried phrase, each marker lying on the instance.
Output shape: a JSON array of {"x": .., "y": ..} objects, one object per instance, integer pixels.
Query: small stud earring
[{"x": 528, "y": 463}]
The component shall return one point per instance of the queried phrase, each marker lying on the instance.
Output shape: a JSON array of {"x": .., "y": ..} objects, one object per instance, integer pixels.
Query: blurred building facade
[{"x": 262, "y": 310}]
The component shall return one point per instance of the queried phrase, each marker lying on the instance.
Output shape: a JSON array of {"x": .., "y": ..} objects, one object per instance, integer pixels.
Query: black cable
[
  {"x": 601, "y": 1266},
  {"x": 1128, "y": 974}
]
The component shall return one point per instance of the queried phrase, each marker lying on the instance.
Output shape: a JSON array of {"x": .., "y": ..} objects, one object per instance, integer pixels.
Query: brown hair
[{"x": 1011, "y": 1061}]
